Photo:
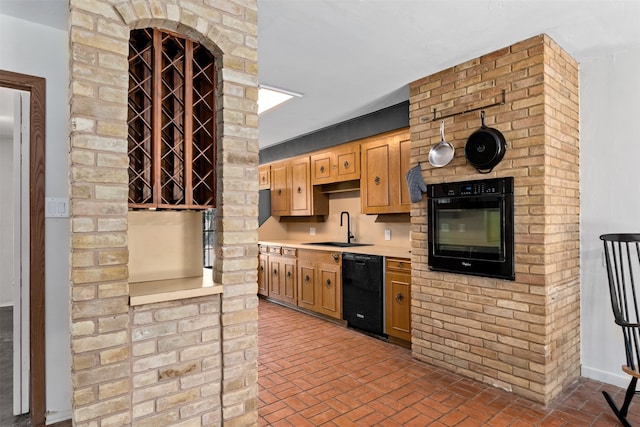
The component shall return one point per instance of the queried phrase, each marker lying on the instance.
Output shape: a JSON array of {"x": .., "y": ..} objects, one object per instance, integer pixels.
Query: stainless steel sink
[{"x": 338, "y": 244}]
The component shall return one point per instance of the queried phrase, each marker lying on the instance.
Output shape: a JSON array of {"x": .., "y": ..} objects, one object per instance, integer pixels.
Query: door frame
[{"x": 36, "y": 86}]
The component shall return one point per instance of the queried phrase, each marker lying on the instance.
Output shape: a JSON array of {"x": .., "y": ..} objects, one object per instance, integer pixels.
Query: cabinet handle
[
  {"x": 299, "y": 190},
  {"x": 376, "y": 180},
  {"x": 288, "y": 274},
  {"x": 275, "y": 272},
  {"x": 262, "y": 268},
  {"x": 399, "y": 297},
  {"x": 335, "y": 257},
  {"x": 328, "y": 283},
  {"x": 279, "y": 191},
  {"x": 346, "y": 164},
  {"x": 307, "y": 278},
  {"x": 264, "y": 179},
  {"x": 321, "y": 169}
]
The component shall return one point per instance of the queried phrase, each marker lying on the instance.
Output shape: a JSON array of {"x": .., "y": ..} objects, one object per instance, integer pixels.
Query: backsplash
[
  {"x": 522, "y": 335},
  {"x": 364, "y": 227}
]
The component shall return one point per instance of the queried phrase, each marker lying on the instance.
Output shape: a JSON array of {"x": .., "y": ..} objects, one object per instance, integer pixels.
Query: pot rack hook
[{"x": 482, "y": 118}]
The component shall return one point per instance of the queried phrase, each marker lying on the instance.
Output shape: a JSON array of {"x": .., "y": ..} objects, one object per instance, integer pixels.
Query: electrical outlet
[
  {"x": 387, "y": 234},
  {"x": 312, "y": 231}
]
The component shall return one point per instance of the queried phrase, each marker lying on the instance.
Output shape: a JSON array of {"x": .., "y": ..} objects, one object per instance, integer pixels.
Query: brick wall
[
  {"x": 175, "y": 359},
  {"x": 118, "y": 353},
  {"x": 522, "y": 335}
]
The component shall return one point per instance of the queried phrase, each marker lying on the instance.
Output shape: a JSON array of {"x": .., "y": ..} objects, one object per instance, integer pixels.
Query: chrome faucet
[{"x": 349, "y": 235}]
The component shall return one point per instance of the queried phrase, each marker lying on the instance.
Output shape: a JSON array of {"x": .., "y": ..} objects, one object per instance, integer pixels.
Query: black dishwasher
[{"x": 362, "y": 294}]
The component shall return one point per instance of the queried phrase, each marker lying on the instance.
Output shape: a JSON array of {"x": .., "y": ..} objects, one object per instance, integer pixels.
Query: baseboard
[
  {"x": 59, "y": 419},
  {"x": 619, "y": 380}
]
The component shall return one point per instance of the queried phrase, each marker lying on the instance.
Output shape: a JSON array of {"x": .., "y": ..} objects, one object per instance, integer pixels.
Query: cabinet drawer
[
  {"x": 399, "y": 264},
  {"x": 323, "y": 257},
  {"x": 277, "y": 250},
  {"x": 264, "y": 249},
  {"x": 289, "y": 252}
]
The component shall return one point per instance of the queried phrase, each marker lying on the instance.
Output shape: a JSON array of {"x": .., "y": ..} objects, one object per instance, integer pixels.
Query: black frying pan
[{"x": 485, "y": 148}]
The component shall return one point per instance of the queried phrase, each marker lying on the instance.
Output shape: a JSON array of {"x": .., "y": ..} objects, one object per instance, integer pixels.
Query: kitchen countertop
[
  {"x": 173, "y": 289},
  {"x": 191, "y": 287},
  {"x": 384, "y": 250}
]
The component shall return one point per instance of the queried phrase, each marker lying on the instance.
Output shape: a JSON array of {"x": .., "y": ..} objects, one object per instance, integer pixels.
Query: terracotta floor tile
[{"x": 318, "y": 373}]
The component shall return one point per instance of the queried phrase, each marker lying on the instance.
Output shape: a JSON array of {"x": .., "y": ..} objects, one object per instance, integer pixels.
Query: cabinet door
[
  {"x": 306, "y": 285},
  {"x": 399, "y": 305},
  {"x": 280, "y": 189},
  {"x": 405, "y": 165},
  {"x": 328, "y": 290},
  {"x": 398, "y": 298},
  {"x": 301, "y": 187},
  {"x": 264, "y": 177},
  {"x": 289, "y": 291},
  {"x": 347, "y": 163},
  {"x": 385, "y": 162},
  {"x": 375, "y": 177},
  {"x": 263, "y": 276},
  {"x": 275, "y": 277},
  {"x": 321, "y": 168}
]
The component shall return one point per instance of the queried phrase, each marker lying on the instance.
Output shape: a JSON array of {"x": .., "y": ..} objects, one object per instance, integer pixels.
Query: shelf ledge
[{"x": 155, "y": 291}]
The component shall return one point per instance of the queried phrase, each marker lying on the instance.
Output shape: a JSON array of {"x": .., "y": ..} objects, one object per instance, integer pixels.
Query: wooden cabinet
[
  {"x": 385, "y": 162},
  {"x": 264, "y": 177},
  {"x": 263, "y": 268},
  {"x": 320, "y": 283},
  {"x": 300, "y": 187},
  {"x": 338, "y": 164},
  {"x": 398, "y": 298},
  {"x": 280, "y": 189},
  {"x": 282, "y": 281},
  {"x": 291, "y": 191}
]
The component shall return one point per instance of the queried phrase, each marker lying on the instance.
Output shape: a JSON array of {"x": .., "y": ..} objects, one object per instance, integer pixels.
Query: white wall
[
  {"x": 6, "y": 216},
  {"x": 610, "y": 196},
  {"x": 42, "y": 51}
]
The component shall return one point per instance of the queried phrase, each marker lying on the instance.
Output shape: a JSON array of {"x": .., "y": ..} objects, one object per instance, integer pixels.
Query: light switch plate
[
  {"x": 56, "y": 207},
  {"x": 387, "y": 234},
  {"x": 312, "y": 231}
]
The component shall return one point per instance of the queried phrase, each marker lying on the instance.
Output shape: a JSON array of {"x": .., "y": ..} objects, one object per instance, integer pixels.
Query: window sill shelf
[{"x": 155, "y": 291}]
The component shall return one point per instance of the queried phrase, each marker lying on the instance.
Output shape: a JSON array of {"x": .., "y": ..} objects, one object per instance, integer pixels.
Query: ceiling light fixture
[{"x": 270, "y": 97}]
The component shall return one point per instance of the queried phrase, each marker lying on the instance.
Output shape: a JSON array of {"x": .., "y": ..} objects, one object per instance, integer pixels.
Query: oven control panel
[{"x": 472, "y": 188}]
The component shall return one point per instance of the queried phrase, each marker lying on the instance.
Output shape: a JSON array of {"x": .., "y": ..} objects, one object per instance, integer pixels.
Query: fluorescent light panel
[{"x": 270, "y": 97}]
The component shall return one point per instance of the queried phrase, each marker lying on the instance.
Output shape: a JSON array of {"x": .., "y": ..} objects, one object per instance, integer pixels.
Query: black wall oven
[{"x": 471, "y": 227}]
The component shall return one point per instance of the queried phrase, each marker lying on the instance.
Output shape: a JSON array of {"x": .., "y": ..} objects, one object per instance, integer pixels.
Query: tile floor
[
  {"x": 6, "y": 372},
  {"x": 321, "y": 374}
]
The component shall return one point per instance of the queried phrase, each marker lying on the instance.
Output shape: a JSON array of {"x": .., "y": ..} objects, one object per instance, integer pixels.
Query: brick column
[{"x": 102, "y": 323}]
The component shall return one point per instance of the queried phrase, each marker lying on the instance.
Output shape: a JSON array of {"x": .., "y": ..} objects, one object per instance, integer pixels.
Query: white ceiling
[{"x": 352, "y": 57}]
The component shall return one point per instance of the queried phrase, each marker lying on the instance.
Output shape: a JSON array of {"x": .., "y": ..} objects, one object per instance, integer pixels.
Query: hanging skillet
[
  {"x": 441, "y": 153},
  {"x": 485, "y": 148}
]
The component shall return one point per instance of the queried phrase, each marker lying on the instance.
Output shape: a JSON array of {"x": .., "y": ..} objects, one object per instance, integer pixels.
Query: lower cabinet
[
  {"x": 263, "y": 269},
  {"x": 398, "y": 298},
  {"x": 282, "y": 274},
  {"x": 320, "y": 282},
  {"x": 309, "y": 279}
]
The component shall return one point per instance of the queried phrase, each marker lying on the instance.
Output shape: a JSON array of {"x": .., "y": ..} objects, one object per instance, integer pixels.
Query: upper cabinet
[
  {"x": 338, "y": 164},
  {"x": 291, "y": 191},
  {"x": 385, "y": 162},
  {"x": 264, "y": 177}
]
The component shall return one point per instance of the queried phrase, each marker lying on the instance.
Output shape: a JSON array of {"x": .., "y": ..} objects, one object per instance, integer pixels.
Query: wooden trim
[
  {"x": 188, "y": 123},
  {"x": 36, "y": 86},
  {"x": 156, "y": 111}
]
